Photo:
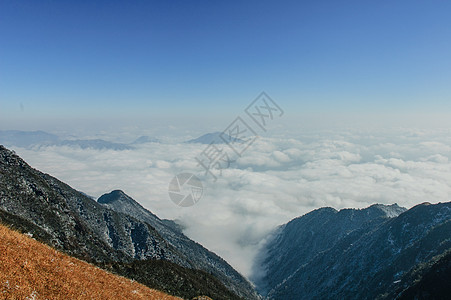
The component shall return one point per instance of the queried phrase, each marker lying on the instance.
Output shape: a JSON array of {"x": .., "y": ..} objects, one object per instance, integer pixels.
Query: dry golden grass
[{"x": 31, "y": 270}]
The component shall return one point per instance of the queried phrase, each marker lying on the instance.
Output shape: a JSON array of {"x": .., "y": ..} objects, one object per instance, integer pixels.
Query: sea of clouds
[{"x": 278, "y": 178}]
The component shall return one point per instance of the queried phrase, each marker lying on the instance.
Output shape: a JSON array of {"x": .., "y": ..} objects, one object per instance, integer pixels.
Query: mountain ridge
[
  {"x": 312, "y": 233},
  {"x": 201, "y": 257},
  {"x": 358, "y": 256},
  {"x": 70, "y": 221},
  {"x": 39, "y": 138}
]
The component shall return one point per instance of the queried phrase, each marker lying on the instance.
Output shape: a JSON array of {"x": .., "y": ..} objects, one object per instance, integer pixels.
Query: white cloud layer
[{"x": 274, "y": 181}]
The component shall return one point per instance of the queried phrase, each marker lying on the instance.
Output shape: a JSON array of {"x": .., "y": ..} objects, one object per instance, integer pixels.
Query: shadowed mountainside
[{"x": 352, "y": 254}]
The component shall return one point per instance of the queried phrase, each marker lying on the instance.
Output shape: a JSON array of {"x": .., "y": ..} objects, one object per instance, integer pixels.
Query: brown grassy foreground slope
[{"x": 31, "y": 270}]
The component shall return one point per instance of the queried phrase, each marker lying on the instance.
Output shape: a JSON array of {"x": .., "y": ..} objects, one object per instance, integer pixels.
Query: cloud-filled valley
[{"x": 276, "y": 179}]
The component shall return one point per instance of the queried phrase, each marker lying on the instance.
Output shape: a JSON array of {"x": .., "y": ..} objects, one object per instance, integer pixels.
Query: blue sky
[{"x": 88, "y": 58}]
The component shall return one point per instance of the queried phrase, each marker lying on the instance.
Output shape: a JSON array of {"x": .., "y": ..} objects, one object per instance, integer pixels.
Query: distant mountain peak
[
  {"x": 390, "y": 211},
  {"x": 115, "y": 196},
  {"x": 384, "y": 210},
  {"x": 215, "y": 138}
]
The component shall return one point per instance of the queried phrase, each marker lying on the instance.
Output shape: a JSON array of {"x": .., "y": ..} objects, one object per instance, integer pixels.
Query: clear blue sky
[{"x": 92, "y": 57}]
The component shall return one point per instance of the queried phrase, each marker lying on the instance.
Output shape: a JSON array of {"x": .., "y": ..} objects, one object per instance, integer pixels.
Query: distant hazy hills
[
  {"x": 117, "y": 234},
  {"x": 215, "y": 138},
  {"x": 29, "y": 139},
  {"x": 26, "y": 139},
  {"x": 353, "y": 254}
]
